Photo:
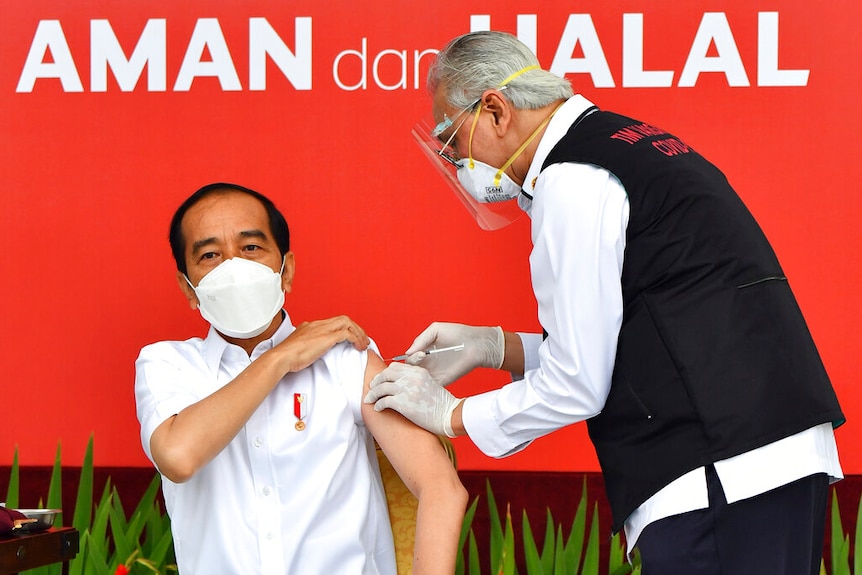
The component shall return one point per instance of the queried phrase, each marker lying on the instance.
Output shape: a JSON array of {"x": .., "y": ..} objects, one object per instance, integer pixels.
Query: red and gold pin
[{"x": 300, "y": 402}]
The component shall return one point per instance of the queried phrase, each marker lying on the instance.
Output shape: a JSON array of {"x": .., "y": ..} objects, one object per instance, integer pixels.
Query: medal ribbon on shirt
[{"x": 300, "y": 410}]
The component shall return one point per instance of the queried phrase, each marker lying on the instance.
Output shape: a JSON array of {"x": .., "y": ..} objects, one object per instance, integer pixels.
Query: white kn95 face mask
[
  {"x": 240, "y": 297},
  {"x": 485, "y": 183}
]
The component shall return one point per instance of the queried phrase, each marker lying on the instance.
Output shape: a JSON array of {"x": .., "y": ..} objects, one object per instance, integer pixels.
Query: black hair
[{"x": 277, "y": 223}]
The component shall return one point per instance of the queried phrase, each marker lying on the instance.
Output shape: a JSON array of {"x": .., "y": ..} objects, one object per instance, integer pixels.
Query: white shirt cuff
[
  {"x": 531, "y": 343},
  {"x": 483, "y": 430}
]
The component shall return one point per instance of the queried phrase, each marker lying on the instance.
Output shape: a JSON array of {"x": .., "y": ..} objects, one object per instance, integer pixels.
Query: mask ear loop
[
  {"x": 470, "y": 141},
  {"x": 499, "y": 175},
  {"x": 518, "y": 73}
]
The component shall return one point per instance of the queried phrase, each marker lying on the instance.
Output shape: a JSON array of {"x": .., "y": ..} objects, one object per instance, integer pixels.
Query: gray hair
[{"x": 475, "y": 62}]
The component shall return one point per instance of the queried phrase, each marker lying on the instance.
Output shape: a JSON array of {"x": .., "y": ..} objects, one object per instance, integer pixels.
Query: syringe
[{"x": 458, "y": 347}]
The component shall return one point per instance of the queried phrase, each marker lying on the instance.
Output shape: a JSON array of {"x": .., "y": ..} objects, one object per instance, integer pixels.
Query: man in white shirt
[
  {"x": 259, "y": 431},
  {"x": 669, "y": 325}
]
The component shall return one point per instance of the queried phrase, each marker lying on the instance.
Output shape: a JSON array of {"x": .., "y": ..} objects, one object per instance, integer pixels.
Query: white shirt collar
[
  {"x": 557, "y": 128},
  {"x": 215, "y": 346}
]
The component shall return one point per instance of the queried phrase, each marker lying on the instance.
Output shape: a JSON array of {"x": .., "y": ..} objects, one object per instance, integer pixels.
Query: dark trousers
[{"x": 777, "y": 533}]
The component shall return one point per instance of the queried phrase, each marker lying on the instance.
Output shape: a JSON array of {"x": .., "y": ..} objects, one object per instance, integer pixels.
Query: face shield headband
[{"x": 492, "y": 212}]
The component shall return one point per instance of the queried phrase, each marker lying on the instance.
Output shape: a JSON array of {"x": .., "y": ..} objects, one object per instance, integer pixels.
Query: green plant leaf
[
  {"x": 591, "y": 555},
  {"x": 118, "y": 514},
  {"x": 575, "y": 542},
  {"x": 14, "y": 482},
  {"x": 148, "y": 499},
  {"x": 99, "y": 528},
  {"x": 97, "y": 556},
  {"x": 561, "y": 566},
  {"x": 94, "y": 541},
  {"x": 124, "y": 544},
  {"x": 76, "y": 565},
  {"x": 159, "y": 552},
  {"x": 842, "y": 566},
  {"x": 548, "y": 547},
  {"x": 475, "y": 567},
  {"x": 84, "y": 499},
  {"x": 55, "y": 488},
  {"x": 507, "y": 561},
  {"x": 158, "y": 526},
  {"x": 616, "y": 554},
  {"x": 149, "y": 565},
  {"x": 837, "y": 540},
  {"x": 496, "y": 528},
  {"x": 532, "y": 560},
  {"x": 465, "y": 529},
  {"x": 134, "y": 530}
]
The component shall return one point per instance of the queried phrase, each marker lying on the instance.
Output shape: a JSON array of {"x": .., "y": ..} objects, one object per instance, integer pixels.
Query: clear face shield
[{"x": 494, "y": 210}]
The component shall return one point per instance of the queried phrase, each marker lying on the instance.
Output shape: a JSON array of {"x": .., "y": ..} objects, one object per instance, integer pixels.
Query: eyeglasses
[{"x": 446, "y": 152}]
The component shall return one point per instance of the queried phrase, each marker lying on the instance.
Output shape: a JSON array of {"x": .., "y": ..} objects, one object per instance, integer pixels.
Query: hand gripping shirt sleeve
[{"x": 579, "y": 217}]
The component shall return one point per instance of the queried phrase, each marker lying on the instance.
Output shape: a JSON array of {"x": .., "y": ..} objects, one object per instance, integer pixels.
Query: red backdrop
[{"x": 97, "y": 156}]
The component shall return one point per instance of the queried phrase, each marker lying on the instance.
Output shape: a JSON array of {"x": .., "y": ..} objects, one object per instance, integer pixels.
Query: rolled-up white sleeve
[
  {"x": 580, "y": 213},
  {"x": 161, "y": 389}
]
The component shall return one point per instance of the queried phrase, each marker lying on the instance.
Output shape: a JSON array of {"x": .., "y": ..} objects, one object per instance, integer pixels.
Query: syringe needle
[{"x": 458, "y": 347}]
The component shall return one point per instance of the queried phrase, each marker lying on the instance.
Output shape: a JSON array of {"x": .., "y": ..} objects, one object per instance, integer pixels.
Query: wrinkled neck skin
[{"x": 522, "y": 125}]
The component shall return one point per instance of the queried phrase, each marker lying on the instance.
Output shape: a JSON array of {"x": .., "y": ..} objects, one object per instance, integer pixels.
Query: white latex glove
[
  {"x": 415, "y": 394},
  {"x": 483, "y": 347}
]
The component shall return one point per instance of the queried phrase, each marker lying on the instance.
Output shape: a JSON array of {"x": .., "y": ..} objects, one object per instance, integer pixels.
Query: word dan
[{"x": 207, "y": 54}]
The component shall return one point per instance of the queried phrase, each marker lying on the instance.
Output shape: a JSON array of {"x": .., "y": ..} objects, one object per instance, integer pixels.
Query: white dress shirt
[
  {"x": 277, "y": 499},
  {"x": 579, "y": 216}
]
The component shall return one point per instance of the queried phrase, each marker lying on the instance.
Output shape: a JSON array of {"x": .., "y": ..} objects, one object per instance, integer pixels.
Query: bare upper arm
[{"x": 416, "y": 454}]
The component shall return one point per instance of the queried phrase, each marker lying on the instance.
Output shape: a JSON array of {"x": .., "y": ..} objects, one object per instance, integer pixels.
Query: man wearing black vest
[{"x": 669, "y": 325}]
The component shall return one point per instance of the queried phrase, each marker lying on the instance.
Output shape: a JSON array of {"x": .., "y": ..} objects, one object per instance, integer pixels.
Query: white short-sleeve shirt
[{"x": 277, "y": 499}]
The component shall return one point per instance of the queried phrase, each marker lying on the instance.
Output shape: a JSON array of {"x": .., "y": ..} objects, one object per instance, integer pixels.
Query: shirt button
[
  {"x": 267, "y": 491},
  {"x": 257, "y": 442},
  {"x": 269, "y": 535}
]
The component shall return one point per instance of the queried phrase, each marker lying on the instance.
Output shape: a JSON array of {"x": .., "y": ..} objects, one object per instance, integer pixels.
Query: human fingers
[
  {"x": 348, "y": 330},
  {"x": 357, "y": 336},
  {"x": 391, "y": 373},
  {"x": 337, "y": 329},
  {"x": 310, "y": 340},
  {"x": 424, "y": 340},
  {"x": 388, "y": 402},
  {"x": 381, "y": 393},
  {"x": 415, "y": 358}
]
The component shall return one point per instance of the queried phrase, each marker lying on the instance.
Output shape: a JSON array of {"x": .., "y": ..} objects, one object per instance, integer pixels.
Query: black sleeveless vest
[{"x": 714, "y": 357}]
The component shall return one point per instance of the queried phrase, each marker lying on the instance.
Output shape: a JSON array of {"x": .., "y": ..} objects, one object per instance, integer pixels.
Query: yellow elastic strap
[
  {"x": 499, "y": 175},
  {"x": 472, "y": 129},
  {"x": 518, "y": 73}
]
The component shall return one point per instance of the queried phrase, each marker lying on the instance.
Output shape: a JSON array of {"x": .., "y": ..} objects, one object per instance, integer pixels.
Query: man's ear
[
  {"x": 500, "y": 108},
  {"x": 187, "y": 290},
  {"x": 287, "y": 274}
]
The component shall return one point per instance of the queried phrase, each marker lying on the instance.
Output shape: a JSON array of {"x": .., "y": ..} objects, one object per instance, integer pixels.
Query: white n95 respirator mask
[
  {"x": 240, "y": 297},
  {"x": 485, "y": 183}
]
